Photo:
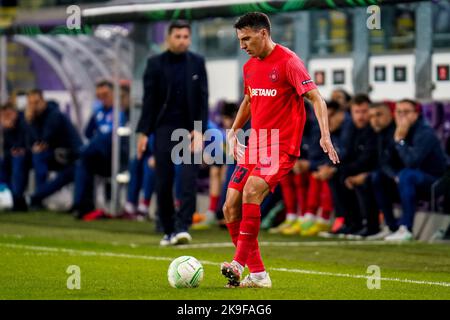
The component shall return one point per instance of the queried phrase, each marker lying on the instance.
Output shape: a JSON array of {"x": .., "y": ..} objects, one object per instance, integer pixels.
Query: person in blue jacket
[
  {"x": 15, "y": 162},
  {"x": 95, "y": 157},
  {"x": 55, "y": 145},
  {"x": 423, "y": 160}
]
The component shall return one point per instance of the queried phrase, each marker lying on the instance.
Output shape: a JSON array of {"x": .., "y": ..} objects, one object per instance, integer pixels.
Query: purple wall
[{"x": 46, "y": 78}]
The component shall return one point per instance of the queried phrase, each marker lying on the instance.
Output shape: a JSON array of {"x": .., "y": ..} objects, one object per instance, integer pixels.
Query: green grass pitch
[{"x": 122, "y": 260}]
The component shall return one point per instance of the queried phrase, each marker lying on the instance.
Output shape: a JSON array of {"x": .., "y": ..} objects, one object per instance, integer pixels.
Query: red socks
[
  {"x": 301, "y": 187},
  {"x": 213, "y": 202},
  {"x": 254, "y": 261},
  {"x": 288, "y": 191},
  {"x": 233, "y": 229},
  {"x": 326, "y": 200},
  {"x": 248, "y": 233}
]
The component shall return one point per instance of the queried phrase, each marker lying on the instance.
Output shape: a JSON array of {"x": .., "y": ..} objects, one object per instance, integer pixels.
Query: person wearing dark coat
[
  {"x": 423, "y": 160},
  {"x": 15, "y": 161},
  {"x": 389, "y": 163},
  {"x": 55, "y": 146},
  {"x": 351, "y": 189},
  {"x": 175, "y": 96}
]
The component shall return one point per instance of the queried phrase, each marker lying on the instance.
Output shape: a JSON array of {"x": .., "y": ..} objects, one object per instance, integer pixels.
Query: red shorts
[{"x": 271, "y": 170}]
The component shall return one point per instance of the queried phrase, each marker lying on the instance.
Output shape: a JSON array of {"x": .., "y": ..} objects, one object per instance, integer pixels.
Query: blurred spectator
[
  {"x": 214, "y": 140},
  {"x": 142, "y": 174},
  {"x": 424, "y": 162},
  {"x": 339, "y": 122},
  {"x": 342, "y": 97},
  {"x": 351, "y": 189},
  {"x": 221, "y": 173},
  {"x": 142, "y": 177},
  {"x": 318, "y": 201},
  {"x": 447, "y": 190},
  {"x": 15, "y": 161},
  {"x": 95, "y": 158},
  {"x": 298, "y": 197},
  {"x": 389, "y": 163},
  {"x": 55, "y": 146}
]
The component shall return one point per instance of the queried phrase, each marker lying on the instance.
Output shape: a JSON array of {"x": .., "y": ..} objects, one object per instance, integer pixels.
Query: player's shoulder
[
  {"x": 250, "y": 62},
  {"x": 288, "y": 55}
]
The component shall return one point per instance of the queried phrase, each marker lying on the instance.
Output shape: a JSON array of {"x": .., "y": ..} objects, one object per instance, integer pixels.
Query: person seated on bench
[{"x": 424, "y": 161}]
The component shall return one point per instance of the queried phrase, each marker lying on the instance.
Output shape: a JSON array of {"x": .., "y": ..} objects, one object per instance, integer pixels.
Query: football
[{"x": 185, "y": 272}]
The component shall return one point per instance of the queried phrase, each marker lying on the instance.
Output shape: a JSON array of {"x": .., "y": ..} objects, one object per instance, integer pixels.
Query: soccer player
[{"x": 275, "y": 82}]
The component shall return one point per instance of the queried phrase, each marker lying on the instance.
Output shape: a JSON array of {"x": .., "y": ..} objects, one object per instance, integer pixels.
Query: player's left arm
[{"x": 320, "y": 110}]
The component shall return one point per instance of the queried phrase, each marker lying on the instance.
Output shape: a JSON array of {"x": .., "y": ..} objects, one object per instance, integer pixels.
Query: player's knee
[
  {"x": 230, "y": 212},
  {"x": 252, "y": 193}
]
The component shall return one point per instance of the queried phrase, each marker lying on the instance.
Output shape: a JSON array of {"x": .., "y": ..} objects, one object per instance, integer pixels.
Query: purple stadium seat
[
  {"x": 427, "y": 112},
  {"x": 446, "y": 124},
  {"x": 434, "y": 113}
]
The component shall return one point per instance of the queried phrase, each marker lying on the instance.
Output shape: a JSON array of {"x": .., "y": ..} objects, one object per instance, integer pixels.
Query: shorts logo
[
  {"x": 306, "y": 81},
  {"x": 274, "y": 76}
]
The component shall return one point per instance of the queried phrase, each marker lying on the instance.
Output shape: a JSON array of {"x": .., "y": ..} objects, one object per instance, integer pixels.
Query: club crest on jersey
[{"x": 274, "y": 75}]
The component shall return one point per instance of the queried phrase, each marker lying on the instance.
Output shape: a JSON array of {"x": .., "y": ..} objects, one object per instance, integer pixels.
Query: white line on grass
[
  {"x": 132, "y": 256},
  {"x": 292, "y": 244}
]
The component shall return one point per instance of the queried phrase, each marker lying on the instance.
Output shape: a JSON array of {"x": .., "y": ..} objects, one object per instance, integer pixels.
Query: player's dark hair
[
  {"x": 254, "y": 20},
  {"x": 360, "y": 98},
  {"x": 104, "y": 83},
  {"x": 35, "y": 91},
  {"x": 178, "y": 24}
]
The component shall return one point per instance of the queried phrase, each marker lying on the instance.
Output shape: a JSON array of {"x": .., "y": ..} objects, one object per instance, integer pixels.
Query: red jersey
[{"x": 275, "y": 86}]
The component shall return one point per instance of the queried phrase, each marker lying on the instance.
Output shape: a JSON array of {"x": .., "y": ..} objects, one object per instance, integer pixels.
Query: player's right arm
[{"x": 235, "y": 148}]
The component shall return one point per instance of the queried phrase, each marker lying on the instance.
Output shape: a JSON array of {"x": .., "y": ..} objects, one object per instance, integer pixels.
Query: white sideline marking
[
  {"x": 292, "y": 244},
  {"x": 131, "y": 256}
]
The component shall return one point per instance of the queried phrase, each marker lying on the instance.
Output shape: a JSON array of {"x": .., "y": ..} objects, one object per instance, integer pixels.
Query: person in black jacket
[
  {"x": 175, "y": 95},
  {"x": 352, "y": 194},
  {"x": 55, "y": 145},
  {"x": 424, "y": 161},
  {"x": 389, "y": 164},
  {"x": 15, "y": 161}
]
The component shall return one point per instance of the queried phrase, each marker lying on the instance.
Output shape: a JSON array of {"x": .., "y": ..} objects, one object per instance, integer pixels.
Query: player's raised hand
[{"x": 327, "y": 146}]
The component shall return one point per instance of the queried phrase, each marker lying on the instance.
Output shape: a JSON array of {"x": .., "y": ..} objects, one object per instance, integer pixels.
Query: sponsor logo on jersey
[{"x": 256, "y": 92}]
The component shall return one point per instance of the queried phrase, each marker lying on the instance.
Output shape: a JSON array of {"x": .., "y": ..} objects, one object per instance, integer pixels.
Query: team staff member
[{"x": 175, "y": 95}]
